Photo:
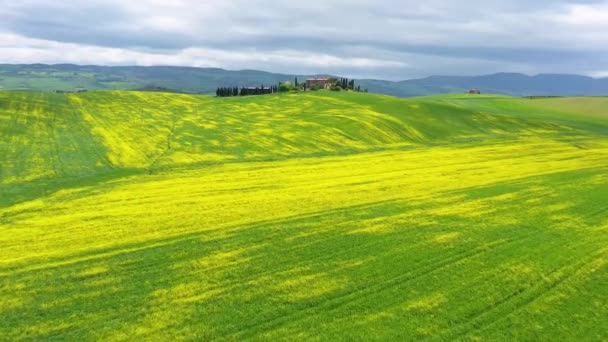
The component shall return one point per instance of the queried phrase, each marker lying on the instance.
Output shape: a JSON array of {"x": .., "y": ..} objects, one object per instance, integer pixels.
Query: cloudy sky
[{"x": 388, "y": 39}]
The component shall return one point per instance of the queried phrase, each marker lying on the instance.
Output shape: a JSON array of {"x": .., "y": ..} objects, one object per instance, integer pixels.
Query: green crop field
[{"x": 315, "y": 216}]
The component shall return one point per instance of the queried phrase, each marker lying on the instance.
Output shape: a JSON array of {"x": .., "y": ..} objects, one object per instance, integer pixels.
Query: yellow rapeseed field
[{"x": 150, "y": 216}]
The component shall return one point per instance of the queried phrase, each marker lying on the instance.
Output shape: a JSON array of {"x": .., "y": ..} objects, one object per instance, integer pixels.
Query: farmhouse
[
  {"x": 324, "y": 83},
  {"x": 475, "y": 91}
]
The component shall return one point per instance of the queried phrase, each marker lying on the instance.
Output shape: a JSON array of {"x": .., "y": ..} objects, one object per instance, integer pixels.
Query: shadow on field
[
  {"x": 15, "y": 193},
  {"x": 435, "y": 267}
]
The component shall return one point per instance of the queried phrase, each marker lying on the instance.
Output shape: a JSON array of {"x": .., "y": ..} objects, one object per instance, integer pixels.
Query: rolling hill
[
  {"x": 206, "y": 80},
  {"x": 334, "y": 216}
]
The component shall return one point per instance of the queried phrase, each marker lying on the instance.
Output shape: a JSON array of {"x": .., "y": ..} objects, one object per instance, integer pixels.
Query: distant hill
[
  {"x": 507, "y": 84},
  {"x": 206, "y": 80},
  {"x": 159, "y": 89}
]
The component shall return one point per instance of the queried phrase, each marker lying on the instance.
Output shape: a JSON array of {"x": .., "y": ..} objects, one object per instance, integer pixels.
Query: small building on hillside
[
  {"x": 475, "y": 91},
  {"x": 322, "y": 83}
]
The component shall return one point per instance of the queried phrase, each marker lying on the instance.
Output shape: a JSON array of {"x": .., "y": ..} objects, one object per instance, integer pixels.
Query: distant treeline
[
  {"x": 60, "y": 91},
  {"x": 245, "y": 91},
  {"x": 541, "y": 97},
  {"x": 334, "y": 84}
]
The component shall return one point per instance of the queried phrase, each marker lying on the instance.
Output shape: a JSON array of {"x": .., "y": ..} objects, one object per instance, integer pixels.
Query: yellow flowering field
[{"x": 151, "y": 216}]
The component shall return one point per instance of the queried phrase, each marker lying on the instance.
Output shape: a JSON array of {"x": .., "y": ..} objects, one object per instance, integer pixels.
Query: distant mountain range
[
  {"x": 507, "y": 84},
  {"x": 206, "y": 80}
]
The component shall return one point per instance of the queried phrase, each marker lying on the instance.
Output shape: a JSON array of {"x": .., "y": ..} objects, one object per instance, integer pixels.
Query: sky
[{"x": 384, "y": 39}]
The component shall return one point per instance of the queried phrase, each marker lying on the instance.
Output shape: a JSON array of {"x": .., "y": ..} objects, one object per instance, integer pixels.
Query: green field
[{"x": 312, "y": 216}]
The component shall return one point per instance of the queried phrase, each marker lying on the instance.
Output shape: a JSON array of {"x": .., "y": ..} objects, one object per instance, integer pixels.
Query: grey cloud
[{"x": 429, "y": 37}]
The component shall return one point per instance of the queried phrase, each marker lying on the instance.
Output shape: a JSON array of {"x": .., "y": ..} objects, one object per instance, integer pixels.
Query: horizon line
[{"x": 296, "y": 75}]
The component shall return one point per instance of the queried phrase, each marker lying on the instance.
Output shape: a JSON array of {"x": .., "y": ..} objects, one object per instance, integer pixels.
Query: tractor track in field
[
  {"x": 356, "y": 296},
  {"x": 19, "y": 150},
  {"x": 517, "y": 300},
  {"x": 165, "y": 151},
  {"x": 95, "y": 147},
  {"x": 54, "y": 145}
]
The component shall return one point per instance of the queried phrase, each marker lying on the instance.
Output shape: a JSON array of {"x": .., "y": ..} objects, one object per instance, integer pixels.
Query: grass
[{"x": 129, "y": 216}]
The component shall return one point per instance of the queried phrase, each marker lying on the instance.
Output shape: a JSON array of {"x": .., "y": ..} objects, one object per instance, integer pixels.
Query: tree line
[
  {"x": 335, "y": 85},
  {"x": 245, "y": 91},
  {"x": 346, "y": 84}
]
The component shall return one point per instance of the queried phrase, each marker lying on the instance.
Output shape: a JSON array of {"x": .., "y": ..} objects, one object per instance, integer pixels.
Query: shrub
[
  {"x": 316, "y": 87},
  {"x": 286, "y": 86}
]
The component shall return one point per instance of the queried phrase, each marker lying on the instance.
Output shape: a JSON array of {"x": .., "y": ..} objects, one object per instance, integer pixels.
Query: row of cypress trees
[
  {"x": 235, "y": 91},
  {"x": 345, "y": 83},
  {"x": 342, "y": 83}
]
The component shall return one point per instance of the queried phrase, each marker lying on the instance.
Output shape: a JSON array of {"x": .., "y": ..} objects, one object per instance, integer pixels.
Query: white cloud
[
  {"x": 587, "y": 17},
  {"x": 599, "y": 73},
  {"x": 18, "y": 49}
]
